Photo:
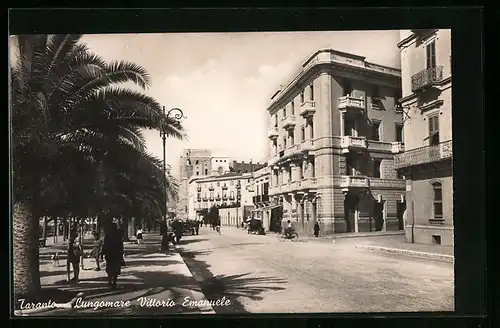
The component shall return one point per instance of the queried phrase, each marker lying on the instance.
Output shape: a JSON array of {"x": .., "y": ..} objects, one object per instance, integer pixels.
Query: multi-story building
[
  {"x": 193, "y": 163},
  {"x": 246, "y": 167},
  {"x": 265, "y": 209},
  {"x": 427, "y": 160},
  {"x": 333, "y": 132},
  {"x": 229, "y": 192}
]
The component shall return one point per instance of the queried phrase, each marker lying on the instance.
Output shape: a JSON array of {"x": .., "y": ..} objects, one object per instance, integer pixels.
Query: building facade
[
  {"x": 247, "y": 167},
  {"x": 333, "y": 133},
  {"x": 265, "y": 209},
  {"x": 228, "y": 191},
  {"x": 427, "y": 160}
]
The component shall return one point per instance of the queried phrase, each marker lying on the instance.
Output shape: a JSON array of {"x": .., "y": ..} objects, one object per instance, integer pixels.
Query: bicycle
[{"x": 293, "y": 236}]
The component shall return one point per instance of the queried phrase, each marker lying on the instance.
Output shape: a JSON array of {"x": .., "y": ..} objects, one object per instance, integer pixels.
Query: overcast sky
[{"x": 223, "y": 81}]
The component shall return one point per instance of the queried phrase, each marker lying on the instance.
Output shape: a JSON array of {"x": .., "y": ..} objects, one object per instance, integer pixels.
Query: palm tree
[{"x": 69, "y": 116}]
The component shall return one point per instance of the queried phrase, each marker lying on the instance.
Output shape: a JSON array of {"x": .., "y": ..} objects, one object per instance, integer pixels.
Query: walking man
[{"x": 316, "y": 229}]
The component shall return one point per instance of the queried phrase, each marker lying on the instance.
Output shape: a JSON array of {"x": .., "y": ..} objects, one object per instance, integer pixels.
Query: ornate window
[{"x": 437, "y": 200}]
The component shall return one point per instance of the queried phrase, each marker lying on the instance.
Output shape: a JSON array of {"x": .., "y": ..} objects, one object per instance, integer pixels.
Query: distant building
[
  {"x": 198, "y": 163},
  {"x": 333, "y": 132},
  {"x": 246, "y": 167},
  {"x": 427, "y": 160},
  {"x": 270, "y": 212},
  {"x": 228, "y": 191}
]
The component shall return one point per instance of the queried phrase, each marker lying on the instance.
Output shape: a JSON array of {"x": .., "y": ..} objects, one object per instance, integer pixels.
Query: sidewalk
[{"x": 149, "y": 277}]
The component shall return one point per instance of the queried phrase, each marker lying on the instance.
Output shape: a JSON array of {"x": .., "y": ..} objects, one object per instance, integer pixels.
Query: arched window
[{"x": 437, "y": 200}]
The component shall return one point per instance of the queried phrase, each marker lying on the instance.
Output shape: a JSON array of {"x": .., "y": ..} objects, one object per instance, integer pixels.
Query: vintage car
[{"x": 255, "y": 226}]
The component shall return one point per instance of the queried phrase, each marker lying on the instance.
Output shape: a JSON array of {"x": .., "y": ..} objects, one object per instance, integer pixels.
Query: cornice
[{"x": 323, "y": 64}]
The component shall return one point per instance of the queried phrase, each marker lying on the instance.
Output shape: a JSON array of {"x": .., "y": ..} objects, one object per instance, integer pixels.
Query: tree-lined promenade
[{"x": 77, "y": 145}]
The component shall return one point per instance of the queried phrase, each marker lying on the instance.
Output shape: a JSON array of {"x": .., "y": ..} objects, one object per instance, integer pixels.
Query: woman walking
[
  {"x": 113, "y": 252},
  {"x": 97, "y": 250}
]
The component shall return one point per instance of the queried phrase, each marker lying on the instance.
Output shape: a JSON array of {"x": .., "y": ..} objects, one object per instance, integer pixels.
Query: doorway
[
  {"x": 378, "y": 215},
  {"x": 350, "y": 208},
  {"x": 400, "y": 213}
]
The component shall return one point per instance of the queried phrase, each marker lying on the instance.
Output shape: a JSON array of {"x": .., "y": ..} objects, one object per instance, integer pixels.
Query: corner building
[
  {"x": 427, "y": 160},
  {"x": 333, "y": 133}
]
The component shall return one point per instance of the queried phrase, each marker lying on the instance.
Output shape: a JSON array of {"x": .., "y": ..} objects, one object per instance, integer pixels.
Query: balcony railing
[
  {"x": 398, "y": 147},
  {"x": 350, "y": 142},
  {"x": 212, "y": 198},
  {"x": 211, "y": 188},
  {"x": 307, "y": 108},
  {"x": 224, "y": 187},
  {"x": 348, "y": 101},
  {"x": 231, "y": 197},
  {"x": 352, "y": 181},
  {"x": 272, "y": 133},
  {"x": 238, "y": 186},
  {"x": 424, "y": 155},
  {"x": 238, "y": 197},
  {"x": 289, "y": 122},
  {"x": 217, "y": 198},
  {"x": 198, "y": 189},
  {"x": 426, "y": 78},
  {"x": 256, "y": 199},
  {"x": 224, "y": 197}
]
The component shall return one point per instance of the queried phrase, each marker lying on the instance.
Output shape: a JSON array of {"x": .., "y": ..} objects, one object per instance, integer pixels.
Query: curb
[
  {"x": 67, "y": 305},
  {"x": 423, "y": 255},
  {"x": 197, "y": 295}
]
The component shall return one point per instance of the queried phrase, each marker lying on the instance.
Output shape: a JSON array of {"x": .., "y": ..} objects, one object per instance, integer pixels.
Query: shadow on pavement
[
  {"x": 184, "y": 241},
  {"x": 230, "y": 286}
]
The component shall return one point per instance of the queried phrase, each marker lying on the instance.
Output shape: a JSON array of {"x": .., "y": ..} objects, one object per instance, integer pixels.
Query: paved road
[{"x": 261, "y": 274}]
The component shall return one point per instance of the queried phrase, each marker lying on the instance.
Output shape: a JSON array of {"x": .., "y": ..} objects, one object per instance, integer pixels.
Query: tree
[{"x": 72, "y": 127}]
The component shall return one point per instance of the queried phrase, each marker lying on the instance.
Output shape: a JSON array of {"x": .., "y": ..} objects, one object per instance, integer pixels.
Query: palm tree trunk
[
  {"x": 125, "y": 228},
  {"x": 45, "y": 225},
  {"x": 25, "y": 252},
  {"x": 56, "y": 229},
  {"x": 131, "y": 230}
]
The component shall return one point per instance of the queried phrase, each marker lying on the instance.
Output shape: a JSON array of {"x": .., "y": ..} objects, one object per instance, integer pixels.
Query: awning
[
  {"x": 270, "y": 207},
  {"x": 431, "y": 135}
]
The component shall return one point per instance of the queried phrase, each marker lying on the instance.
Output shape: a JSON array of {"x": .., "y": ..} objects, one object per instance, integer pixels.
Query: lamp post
[{"x": 178, "y": 114}]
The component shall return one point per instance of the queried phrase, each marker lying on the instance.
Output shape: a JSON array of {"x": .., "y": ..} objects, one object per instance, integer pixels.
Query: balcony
[
  {"x": 238, "y": 197},
  {"x": 272, "y": 133},
  {"x": 211, "y": 188},
  {"x": 231, "y": 198},
  {"x": 424, "y": 155},
  {"x": 426, "y": 78},
  {"x": 198, "y": 199},
  {"x": 351, "y": 182},
  {"x": 286, "y": 188},
  {"x": 307, "y": 108},
  {"x": 218, "y": 198},
  {"x": 307, "y": 146},
  {"x": 397, "y": 147},
  {"x": 198, "y": 189},
  {"x": 224, "y": 187},
  {"x": 205, "y": 199},
  {"x": 224, "y": 197},
  {"x": 273, "y": 160},
  {"x": 211, "y": 198},
  {"x": 264, "y": 198},
  {"x": 289, "y": 122},
  {"x": 347, "y": 103},
  {"x": 304, "y": 184},
  {"x": 349, "y": 143},
  {"x": 274, "y": 190},
  {"x": 238, "y": 186},
  {"x": 256, "y": 199}
]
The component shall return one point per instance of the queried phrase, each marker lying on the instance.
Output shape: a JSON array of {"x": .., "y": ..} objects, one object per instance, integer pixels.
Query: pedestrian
[
  {"x": 197, "y": 227},
  {"x": 138, "y": 236},
  {"x": 97, "y": 250},
  {"x": 74, "y": 253},
  {"x": 113, "y": 252},
  {"x": 316, "y": 229}
]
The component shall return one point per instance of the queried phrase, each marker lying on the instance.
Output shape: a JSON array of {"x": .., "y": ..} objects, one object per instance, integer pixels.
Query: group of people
[
  {"x": 289, "y": 229},
  {"x": 108, "y": 247}
]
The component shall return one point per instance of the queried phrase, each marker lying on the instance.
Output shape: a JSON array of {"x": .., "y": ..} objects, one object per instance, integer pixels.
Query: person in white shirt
[{"x": 138, "y": 236}]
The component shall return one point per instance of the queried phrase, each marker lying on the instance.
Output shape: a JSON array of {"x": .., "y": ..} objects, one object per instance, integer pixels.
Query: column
[
  {"x": 313, "y": 211},
  {"x": 356, "y": 219},
  {"x": 300, "y": 211},
  {"x": 310, "y": 168},
  {"x": 384, "y": 216},
  {"x": 294, "y": 168},
  {"x": 342, "y": 122}
]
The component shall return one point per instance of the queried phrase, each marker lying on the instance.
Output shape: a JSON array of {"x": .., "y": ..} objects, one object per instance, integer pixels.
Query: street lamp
[{"x": 178, "y": 114}]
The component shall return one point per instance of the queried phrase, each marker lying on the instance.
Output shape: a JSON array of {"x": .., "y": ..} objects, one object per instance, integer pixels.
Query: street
[{"x": 261, "y": 274}]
